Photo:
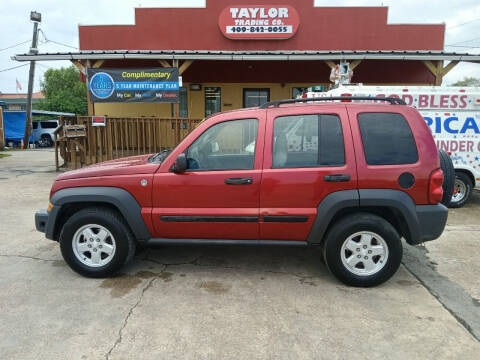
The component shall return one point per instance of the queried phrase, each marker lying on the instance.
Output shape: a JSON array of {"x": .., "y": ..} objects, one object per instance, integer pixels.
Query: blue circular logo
[{"x": 101, "y": 85}]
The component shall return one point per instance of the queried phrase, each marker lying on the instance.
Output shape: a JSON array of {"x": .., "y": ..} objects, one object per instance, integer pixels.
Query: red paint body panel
[
  {"x": 205, "y": 192},
  {"x": 299, "y": 191},
  {"x": 130, "y": 183},
  {"x": 386, "y": 176},
  {"x": 363, "y": 28}
]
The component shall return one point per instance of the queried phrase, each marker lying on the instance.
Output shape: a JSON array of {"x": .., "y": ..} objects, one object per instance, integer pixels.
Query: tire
[
  {"x": 355, "y": 230},
  {"x": 462, "y": 190},
  {"x": 446, "y": 165},
  {"x": 45, "y": 141},
  {"x": 103, "y": 231}
]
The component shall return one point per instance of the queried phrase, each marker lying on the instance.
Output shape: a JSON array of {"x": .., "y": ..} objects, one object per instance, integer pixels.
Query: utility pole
[{"x": 36, "y": 18}]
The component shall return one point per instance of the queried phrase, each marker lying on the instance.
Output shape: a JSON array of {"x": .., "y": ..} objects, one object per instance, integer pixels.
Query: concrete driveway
[{"x": 226, "y": 302}]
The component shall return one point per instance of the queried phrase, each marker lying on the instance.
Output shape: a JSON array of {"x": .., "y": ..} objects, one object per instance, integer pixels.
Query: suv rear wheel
[
  {"x": 362, "y": 250},
  {"x": 95, "y": 242}
]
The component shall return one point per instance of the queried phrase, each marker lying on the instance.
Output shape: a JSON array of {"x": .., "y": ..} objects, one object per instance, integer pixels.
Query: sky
[{"x": 60, "y": 20}]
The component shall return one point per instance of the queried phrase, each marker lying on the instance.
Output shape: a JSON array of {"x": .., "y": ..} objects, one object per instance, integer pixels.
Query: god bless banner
[{"x": 133, "y": 85}]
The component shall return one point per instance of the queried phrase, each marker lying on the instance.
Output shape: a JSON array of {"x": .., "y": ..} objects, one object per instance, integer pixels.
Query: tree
[
  {"x": 63, "y": 91},
  {"x": 467, "y": 81}
]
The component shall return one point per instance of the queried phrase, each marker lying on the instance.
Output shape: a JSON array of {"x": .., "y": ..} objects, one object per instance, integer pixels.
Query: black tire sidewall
[
  {"x": 110, "y": 222},
  {"x": 468, "y": 186},
  {"x": 448, "y": 170},
  {"x": 350, "y": 225}
]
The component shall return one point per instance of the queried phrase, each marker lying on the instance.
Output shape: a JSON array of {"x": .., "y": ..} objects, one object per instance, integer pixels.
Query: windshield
[{"x": 159, "y": 157}]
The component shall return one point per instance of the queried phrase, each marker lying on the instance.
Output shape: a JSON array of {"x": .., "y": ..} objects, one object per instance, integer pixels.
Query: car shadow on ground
[{"x": 302, "y": 262}]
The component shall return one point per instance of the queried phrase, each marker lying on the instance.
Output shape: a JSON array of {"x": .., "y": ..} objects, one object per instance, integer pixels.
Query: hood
[{"x": 124, "y": 166}]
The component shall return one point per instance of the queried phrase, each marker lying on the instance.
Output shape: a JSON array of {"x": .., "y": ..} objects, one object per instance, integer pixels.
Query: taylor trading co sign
[
  {"x": 257, "y": 22},
  {"x": 133, "y": 85}
]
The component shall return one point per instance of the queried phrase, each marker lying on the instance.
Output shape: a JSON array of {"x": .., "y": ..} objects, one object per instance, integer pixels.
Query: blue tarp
[{"x": 14, "y": 125}]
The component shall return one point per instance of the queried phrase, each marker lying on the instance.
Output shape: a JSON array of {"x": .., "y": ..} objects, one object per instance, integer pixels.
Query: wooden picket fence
[{"x": 79, "y": 143}]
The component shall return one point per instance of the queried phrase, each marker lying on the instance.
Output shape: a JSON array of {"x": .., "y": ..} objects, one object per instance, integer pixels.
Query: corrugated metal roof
[{"x": 282, "y": 55}]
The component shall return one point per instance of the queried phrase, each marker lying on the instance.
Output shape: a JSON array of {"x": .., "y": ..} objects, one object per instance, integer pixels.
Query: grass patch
[{"x": 2, "y": 155}]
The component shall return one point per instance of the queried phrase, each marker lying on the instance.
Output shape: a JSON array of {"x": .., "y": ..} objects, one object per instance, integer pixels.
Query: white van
[{"x": 453, "y": 115}]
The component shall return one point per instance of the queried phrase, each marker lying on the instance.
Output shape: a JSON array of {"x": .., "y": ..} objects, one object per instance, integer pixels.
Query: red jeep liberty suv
[{"x": 352, "y": 177}]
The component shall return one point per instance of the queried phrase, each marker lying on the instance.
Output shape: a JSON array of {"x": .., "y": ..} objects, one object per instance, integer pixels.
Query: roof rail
[{"x": 277, "y": 103}]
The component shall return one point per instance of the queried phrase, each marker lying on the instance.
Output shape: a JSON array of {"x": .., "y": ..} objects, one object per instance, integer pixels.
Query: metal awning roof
[{"x": 281, "y": 55}]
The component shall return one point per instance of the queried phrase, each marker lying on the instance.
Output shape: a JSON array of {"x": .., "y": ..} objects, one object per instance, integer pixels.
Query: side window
[
  {"x": 308, "y": 141},
  {"x": 35, "y": 124},
  {"x": 49, "y": 124},
  {"x": 387, "y": 139},
  {"x": 229, "y": 145}
]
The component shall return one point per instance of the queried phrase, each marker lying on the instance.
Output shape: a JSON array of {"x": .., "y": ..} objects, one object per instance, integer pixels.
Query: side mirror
[{"x": 180, "y": 164}]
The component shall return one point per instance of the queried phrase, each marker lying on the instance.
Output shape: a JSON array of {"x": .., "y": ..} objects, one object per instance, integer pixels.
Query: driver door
[{"x": 218, "y": 196}]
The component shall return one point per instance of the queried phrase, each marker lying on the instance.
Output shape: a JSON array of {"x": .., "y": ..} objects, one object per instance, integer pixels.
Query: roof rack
[{"x": 277, "y": 103}]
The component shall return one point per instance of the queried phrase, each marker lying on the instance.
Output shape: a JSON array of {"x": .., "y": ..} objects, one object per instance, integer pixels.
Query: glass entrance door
[{"x": 255, "y": 97}]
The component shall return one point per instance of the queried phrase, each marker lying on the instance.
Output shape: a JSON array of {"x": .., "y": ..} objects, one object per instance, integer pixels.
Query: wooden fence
[{"x": 79, "y": 143}]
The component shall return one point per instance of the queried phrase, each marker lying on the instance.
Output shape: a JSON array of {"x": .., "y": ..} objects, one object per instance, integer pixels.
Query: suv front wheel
[
  {"x": 96, "y": 242},
  {"x": 362, "y": 250}
]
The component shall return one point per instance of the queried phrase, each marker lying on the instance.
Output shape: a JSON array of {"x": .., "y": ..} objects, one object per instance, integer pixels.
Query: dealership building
[{"x": 234, "y": 54}]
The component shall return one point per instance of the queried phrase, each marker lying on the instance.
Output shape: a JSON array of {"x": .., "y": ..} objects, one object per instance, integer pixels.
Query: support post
[
  {"x": 31, "y": 77},
  {"x": 164, "y": 63},
  {"x": 438, "y": 70},
  {"x": 91, "y": 106}
]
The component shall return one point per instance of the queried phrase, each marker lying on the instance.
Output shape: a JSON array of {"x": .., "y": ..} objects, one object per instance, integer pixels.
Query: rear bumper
[
  {"x": 431, "y": 222},
  {"x": 41, "y": 220}
]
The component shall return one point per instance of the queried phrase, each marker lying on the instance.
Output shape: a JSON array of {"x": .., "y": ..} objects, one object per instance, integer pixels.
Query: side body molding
[
  {"x": 120, "y": 198},
  {"x": 327, "y": 209}
]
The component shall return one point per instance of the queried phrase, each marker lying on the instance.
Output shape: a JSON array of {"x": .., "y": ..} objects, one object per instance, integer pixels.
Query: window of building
[
  {"x": 213, "y": 100},
  {"x": 387, "y": 139},
  {"x": 255, "y": 97},
  {"x": 16, "y": 107},
  {"x": 298, "y": 91},
  {"x": 308, "y": 141},
  {"x": 183, "y": 105},
  {"x": 229, "y": 145}
]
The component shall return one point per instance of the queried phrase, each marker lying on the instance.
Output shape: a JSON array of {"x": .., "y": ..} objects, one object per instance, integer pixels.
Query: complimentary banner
[{"x": 133, "y": 85}]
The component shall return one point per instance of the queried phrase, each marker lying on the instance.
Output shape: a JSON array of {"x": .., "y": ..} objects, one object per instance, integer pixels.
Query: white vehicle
[
  {"x": 43, "y": 132},
  {"x": 453, "y": 115}
]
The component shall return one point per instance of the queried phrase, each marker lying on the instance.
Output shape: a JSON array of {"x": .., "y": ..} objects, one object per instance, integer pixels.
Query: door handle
[
  {"x": 239, "y": 181},
  {"x": 337, "y": 177}
]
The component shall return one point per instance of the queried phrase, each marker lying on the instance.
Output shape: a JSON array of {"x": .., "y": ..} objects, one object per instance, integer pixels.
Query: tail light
[{"x": 435, "y": 190}]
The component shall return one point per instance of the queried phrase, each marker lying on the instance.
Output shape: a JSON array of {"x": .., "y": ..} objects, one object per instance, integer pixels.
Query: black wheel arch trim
[
  {"x": 121, "y": 199},
  {"x": 424, "y": 222}
]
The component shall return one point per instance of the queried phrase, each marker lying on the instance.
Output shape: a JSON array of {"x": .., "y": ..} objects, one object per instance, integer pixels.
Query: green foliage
[
  {"x": 63, "y": 91},
  {"x": 468, "y": 81}
]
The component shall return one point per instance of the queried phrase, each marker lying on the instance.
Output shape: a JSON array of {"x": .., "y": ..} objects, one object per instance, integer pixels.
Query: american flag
[{"x": 19, "y": 86}]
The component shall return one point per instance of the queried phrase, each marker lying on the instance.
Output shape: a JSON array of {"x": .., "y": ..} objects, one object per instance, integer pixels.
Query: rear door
[{"x": 307, "y": 156}]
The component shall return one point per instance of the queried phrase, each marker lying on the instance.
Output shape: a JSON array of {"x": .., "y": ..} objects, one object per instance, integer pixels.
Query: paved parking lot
[{"x": 227, "y": 302}]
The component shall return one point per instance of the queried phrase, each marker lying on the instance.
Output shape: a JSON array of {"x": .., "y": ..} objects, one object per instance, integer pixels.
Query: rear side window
[
  {"x": 387, "y": 139},
  {"x": 49, "y": 124},
  {"x": 308, "y": 141}
]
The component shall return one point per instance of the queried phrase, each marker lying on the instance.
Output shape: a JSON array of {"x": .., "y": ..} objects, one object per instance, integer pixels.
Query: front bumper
[
  {"x": 431, "y": 220},
  {"x": 41, "y": 220}
]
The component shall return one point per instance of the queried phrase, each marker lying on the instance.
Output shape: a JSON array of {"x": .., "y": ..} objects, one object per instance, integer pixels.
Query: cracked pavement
[{"x": 226, "y": 302}]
